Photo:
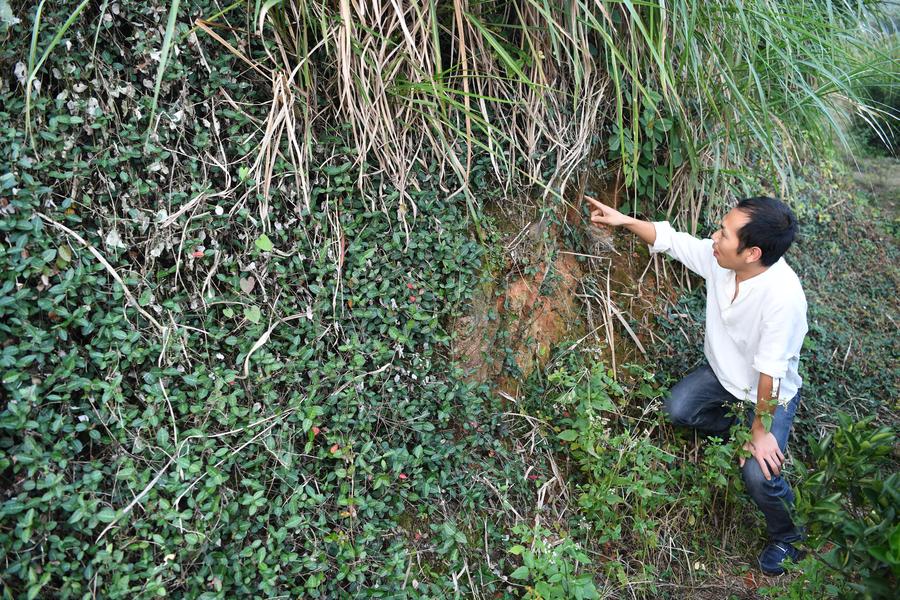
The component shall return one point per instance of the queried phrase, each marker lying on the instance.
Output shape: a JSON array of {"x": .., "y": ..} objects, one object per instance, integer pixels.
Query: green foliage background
[{"x": 349, "y": 425}]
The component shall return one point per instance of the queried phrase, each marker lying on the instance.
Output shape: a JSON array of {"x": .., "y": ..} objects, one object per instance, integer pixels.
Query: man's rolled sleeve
[
  {"x": 776, "y": 368},
  {"x": 663, "y": 240},
  {"x": 694, "y": 253},
  {"x": 778, "y": 340}
]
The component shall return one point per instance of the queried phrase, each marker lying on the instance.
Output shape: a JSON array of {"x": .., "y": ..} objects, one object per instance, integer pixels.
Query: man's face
[{"x": 725, "y": 242}]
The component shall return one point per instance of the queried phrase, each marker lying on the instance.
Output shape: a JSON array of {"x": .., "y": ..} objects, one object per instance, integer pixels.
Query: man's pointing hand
[{"x": 602, "y": 214}]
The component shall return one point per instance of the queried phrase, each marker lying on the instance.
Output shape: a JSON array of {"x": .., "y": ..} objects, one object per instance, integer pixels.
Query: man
[{"x": 755, "y": 324}]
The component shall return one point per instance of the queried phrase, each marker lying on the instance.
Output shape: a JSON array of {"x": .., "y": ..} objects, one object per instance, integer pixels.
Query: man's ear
[{"x": 753, "y": 254}]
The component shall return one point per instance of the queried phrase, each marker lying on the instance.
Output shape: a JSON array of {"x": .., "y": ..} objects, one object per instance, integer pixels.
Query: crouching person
[{"x": 755, "y": 325}]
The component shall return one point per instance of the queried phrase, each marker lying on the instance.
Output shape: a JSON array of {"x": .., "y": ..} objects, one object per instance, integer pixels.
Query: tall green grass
[
  {"x": 163, "y": 61},
  {"x": 35, "y": 63},
  {"x": 533, "y": 82},
  {"x": 536, "y": 84}
]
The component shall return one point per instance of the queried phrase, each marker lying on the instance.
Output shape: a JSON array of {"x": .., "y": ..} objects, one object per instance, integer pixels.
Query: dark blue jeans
[{"x": 699, "y": 401}]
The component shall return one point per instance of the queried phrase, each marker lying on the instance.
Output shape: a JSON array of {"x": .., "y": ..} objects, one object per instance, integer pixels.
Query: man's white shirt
[{"x": 762, "y": 331}]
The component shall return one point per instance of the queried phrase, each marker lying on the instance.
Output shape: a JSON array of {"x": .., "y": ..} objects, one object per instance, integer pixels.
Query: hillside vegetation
[{"x": 238, "y": 240}]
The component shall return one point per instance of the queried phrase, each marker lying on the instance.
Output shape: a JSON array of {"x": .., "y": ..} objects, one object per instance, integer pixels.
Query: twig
[
  {"x": 206, "y": 283},
  {"x": 621, "y": 317},
  {"x": 171, "y": 412},
  {"x": 346, "y": 384},
  {"x": 137, "y": 498},
  {"x": 263, "y": 339},
  {"x": 109, "y": 268},
  {"x": 254, "y": 424},
  {"x": 847, "y": 354},
  {"x": 187, "y": 206},
  {"x": 205, "y": 26},
  {"x": 585, "y": 255}
]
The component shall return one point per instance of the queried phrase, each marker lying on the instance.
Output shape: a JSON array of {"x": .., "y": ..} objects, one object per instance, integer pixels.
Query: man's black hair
[{"x": 772, "y": 227}]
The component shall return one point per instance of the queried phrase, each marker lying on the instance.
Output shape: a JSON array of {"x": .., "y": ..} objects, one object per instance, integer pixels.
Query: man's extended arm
[
  {"x": 643, "y": 229},
  {"x": 695, "y": 254}
]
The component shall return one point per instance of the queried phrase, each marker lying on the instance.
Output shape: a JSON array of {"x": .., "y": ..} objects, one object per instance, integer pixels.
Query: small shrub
[
  {"x": 552, "y": 568},
  {"x": 848, "y": 503},
  {"x": 639, "y": 494}
]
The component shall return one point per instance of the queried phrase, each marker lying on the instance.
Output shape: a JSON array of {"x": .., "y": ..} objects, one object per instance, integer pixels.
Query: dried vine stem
[{"x": 115, "y": 275}]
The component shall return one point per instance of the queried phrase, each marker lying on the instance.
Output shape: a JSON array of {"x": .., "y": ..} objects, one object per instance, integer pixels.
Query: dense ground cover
[{"x": 202, "y": 402}]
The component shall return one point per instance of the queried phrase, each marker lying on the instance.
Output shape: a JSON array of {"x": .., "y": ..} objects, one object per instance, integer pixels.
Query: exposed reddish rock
[{"x": 528, "y": 307}]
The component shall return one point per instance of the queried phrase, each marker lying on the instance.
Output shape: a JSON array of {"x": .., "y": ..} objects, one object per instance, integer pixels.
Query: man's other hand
[
  {"x": 764, "y": 448},
  {"x": 602, "y": 214}
]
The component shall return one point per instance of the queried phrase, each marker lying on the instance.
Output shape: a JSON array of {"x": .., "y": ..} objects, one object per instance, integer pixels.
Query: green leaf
[
  {"x": 337, "y": 170},
  {"x": 520, "y": 573},
  {"x": 264, "y": 243},
  {"x": 252, "y": 314},
  {"x": 569, "y": 435},
  {"x": 294, "y": 522},
  {"x": 107, "y": 515}
]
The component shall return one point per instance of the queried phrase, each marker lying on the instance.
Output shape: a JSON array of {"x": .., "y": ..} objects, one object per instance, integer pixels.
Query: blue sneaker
[{"x": 775, "y": 554}]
